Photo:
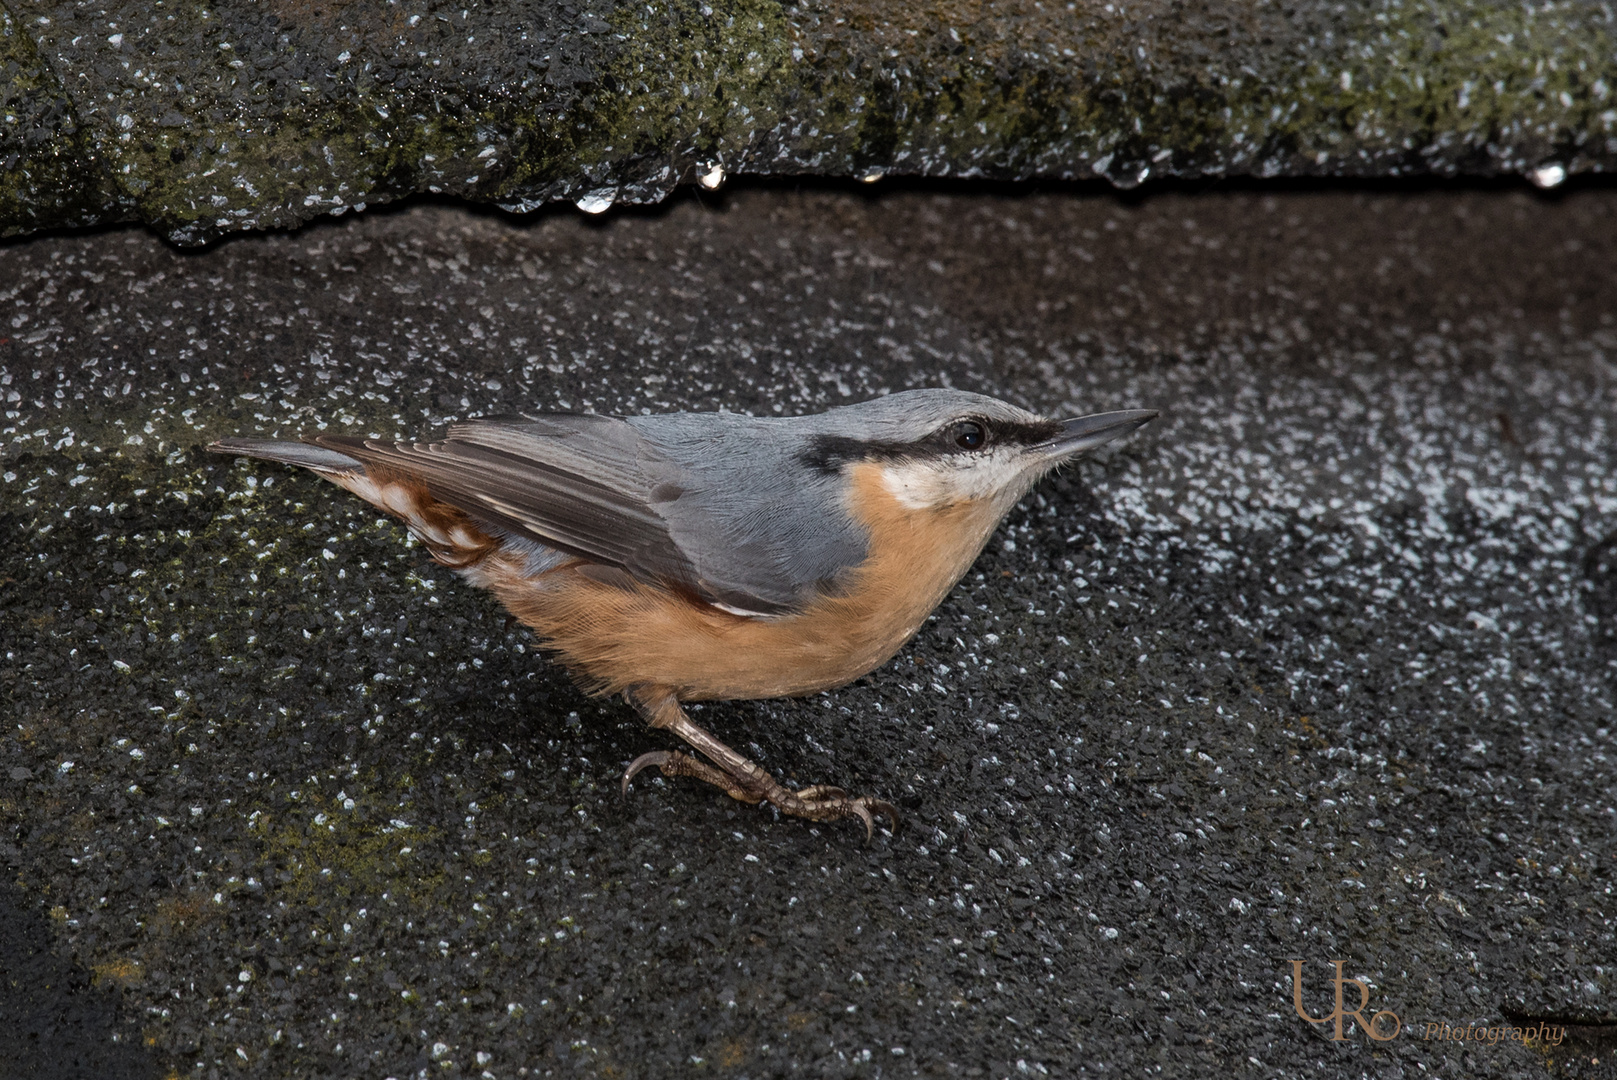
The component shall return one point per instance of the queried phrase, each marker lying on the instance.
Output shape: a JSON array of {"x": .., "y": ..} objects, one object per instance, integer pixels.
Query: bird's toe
[{"x": 817, "y": 792}]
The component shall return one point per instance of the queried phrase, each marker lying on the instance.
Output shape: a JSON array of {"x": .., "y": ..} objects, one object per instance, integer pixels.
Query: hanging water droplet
[
  {"x": 1128, "y": 175},
  {"x": 872, "y": 176},
  {"x": 1548, "y": 175},
  {"x": 710, "y": 176},
  {"x": 598, "y": 201}
]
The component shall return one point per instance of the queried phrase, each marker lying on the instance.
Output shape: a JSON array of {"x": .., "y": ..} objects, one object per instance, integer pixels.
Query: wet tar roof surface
[{"x": 1318, "y": 666}]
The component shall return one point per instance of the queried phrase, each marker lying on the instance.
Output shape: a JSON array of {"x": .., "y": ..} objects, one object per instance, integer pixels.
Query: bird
[{"x": 703, "y": 556}]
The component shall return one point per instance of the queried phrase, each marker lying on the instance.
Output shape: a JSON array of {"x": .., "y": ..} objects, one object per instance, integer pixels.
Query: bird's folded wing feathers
[{"x": 586, "y": 485}]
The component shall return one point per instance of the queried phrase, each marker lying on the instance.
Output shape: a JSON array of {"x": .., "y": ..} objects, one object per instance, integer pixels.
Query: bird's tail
[
  {"x": 318, "y": 458},
  {"x": 452, "y": 537}
]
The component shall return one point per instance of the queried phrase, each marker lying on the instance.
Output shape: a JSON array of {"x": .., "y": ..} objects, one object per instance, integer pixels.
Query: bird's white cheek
[{"x": 924, "y": 485}]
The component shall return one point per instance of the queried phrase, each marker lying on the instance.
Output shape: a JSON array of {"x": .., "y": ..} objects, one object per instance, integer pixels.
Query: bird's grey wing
[
  {"x": 586, "y": 485},
  {"x": 764, "y": 534},
  {"x": 769, "y": 557}
]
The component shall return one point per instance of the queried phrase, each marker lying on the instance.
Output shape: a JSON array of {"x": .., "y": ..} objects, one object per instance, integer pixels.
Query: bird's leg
[{"x": 740, "y": 778}]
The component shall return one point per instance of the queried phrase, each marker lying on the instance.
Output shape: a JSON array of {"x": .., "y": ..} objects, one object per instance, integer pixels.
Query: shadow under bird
[{"x": 715, "y": 556}]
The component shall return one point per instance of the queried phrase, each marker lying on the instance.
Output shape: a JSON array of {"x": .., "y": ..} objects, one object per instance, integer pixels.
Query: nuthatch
[{"x": 713, "y": 556}]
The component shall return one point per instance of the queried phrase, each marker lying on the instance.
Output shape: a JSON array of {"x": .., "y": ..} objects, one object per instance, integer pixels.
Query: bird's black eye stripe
[
  {"x": 969, "y": 434},
  {"x": 829, "y": 454}
]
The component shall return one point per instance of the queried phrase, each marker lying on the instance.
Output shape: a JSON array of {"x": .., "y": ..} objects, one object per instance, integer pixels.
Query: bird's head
[{"x": 940, "y": 448}]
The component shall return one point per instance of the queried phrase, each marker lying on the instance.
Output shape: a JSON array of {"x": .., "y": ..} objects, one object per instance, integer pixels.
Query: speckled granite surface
[{"x": 1320, "y": 666}]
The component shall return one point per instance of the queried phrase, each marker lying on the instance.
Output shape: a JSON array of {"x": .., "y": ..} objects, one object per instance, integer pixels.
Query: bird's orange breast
[{"x": 614, "y": 637}]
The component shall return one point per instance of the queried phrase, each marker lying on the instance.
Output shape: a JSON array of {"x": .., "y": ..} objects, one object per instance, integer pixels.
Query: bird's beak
[{"x": 1087, "y": 432}]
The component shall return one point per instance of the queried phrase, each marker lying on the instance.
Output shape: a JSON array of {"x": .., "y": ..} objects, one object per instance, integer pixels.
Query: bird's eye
[{"x": 969, "y": 435}]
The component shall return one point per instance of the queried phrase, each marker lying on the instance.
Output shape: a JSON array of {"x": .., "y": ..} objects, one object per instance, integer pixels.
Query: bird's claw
[
  {"x": 866, "y": 810},
  {"x": 644, "y": 761}
]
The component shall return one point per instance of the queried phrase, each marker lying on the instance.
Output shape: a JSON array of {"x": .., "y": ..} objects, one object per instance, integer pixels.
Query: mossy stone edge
[{"x": 204, "y": 119}]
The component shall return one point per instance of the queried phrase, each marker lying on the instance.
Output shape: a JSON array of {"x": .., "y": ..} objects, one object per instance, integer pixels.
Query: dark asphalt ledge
[{"x": 1320, "y": 666}]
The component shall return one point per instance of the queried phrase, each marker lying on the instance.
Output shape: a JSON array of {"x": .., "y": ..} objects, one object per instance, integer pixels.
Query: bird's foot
[
  {"x": 743, "y": 780},
  {"x": 822, "y": 803}
]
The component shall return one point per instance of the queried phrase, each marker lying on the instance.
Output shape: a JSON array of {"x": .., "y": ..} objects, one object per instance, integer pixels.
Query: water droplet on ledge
[
  {"x": 1550, "y": 174},
  {"x": 1126, "y": 175},
  {"x": 710, "y": 176},
  {"x": 598, "y": 201}
]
